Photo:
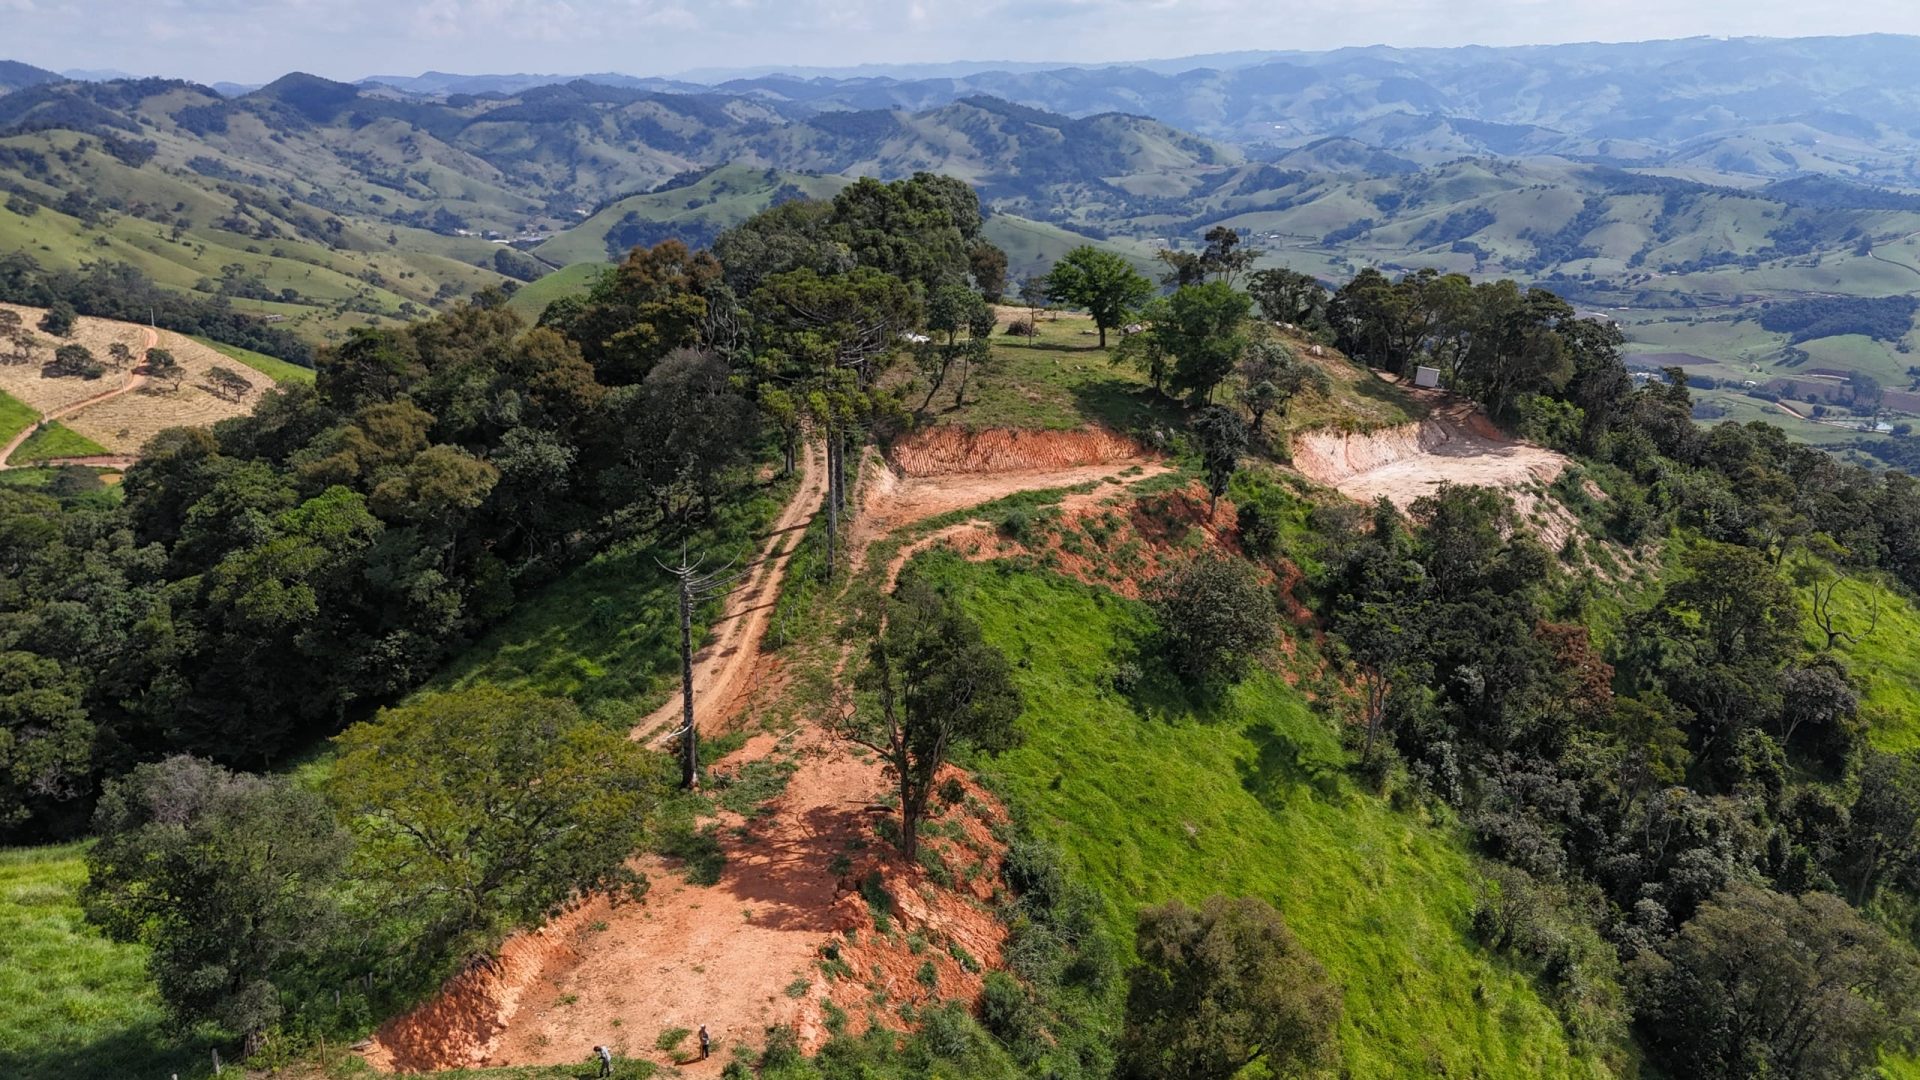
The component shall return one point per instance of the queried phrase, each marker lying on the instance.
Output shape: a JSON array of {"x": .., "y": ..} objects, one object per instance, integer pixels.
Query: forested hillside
[{"x": 1056, "y": 722}]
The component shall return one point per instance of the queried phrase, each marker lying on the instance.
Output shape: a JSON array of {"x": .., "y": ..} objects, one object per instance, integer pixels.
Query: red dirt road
[{"x": 723, "y": 671}]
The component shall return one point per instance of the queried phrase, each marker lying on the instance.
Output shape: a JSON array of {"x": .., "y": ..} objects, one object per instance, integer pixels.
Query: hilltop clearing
[{"x": 123, "y": 406}]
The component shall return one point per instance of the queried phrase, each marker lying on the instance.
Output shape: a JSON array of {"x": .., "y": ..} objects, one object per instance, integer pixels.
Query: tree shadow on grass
[
  {"x": 141, "y": 1050},
  {"x": 1125, "y": 406},
  {"x": 1374, "y": 388},
  {"x": 1282, "y": 770}
]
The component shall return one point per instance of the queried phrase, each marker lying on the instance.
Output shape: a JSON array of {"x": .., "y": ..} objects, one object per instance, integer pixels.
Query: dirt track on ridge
[
  {"x": 732, "y": 955},
  {"x": 724, "y": 670}
]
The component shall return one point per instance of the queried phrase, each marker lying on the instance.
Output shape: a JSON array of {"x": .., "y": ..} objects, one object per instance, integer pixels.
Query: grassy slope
[
  {"x": 1884, "y": 661},
  {"x": 1062, "y": 380},
  {"x": 718, "y": 200},
  {"x": 531, "y": 299},
  {"x": 15, "y": 416},
  {"x": 72, "y": 1003},
  {"x": 56, "y": 440},
  {"x": 1153, "y": 800},
  {"x": 272, "y": 367}
]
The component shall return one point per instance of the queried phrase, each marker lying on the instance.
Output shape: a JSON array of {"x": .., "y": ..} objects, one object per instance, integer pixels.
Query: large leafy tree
[
  {"x": 1204, "y": 330},
  {"x": 1103, "y": 283},
  {"x": 1221, "y": 988},
  {"x": 936, "y": 685},
  {"x": 1289, "y": 296},
  {"x": 229, "y": 879},
  {"x": 1215, "y": 616},
  {"x": 812, "y": 325},
  {"x": 657, "y": 300},
  {"x": 1223, "y": 440},
  {"x": 677, "y": 434},
  {"x": 46, "y": 738},
  {"x": 483, "y": 809},
  {"x": 921, "y": 230},
  {"x": 1758, "y": 984}
]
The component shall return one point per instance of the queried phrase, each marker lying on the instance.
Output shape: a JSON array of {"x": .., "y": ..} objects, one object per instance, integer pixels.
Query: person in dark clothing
[
  {"x": 606, "y": 1060},
  {"x": 706, "y": 1043}
]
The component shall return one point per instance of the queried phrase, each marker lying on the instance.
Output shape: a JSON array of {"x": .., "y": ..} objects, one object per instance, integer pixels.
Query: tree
[
  {"x": 988, "y": 266},
  {"x": 1214, "y": 615},
  {"x": 1288, "y": 296},
  {"x": 46, "y": 738},
  {"x": 677, "y": 433},
  {"x": 811, "y": 324},
  {"x": 951, "y": 310},
  {"x": 74, "y": 361},
  {"x": 1221, "y": 988},
  {"x": 483, "y": 809},
  {"x": 1103, "y": 283},
  {"x": 1224, "y": 259},
  {"x": 937, "y": 684},
  {"x": 1223, "y": 439},
  {"x": 657, "y": 300},
  {"x": 120, "y": 355},
  {"x": 1274, "y": 376},
  {"x": 230, "y": 879},
  {"x": 162, "y": 365},
  {"x": 1203, "y": 331},
  {"x": 227, "y": 384},
  {"x": 1147, "y": 350},
  {"x": 1759, "y": 984},
  {"x": 1881, "y": 841},
  {"x": 1732, "y": 601},
  {"x": 59, "y": 319}
]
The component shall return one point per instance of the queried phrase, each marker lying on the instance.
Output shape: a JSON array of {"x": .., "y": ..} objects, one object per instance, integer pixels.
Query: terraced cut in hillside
[{"x": 1456, "y": 444}]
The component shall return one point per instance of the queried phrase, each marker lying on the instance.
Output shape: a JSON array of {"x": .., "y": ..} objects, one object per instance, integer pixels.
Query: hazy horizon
[{"x": 231, "y": 41}]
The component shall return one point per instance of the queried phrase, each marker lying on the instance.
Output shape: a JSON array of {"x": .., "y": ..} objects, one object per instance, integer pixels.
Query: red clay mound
[
  {"x": 459, "y": 1025},
  {"x": 943, "y": 450}
]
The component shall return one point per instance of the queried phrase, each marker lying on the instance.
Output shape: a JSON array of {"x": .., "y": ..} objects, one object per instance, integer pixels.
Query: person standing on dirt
[
  {"x": 606, "y": 1060},
  {"x": 706, "y": 1043}
]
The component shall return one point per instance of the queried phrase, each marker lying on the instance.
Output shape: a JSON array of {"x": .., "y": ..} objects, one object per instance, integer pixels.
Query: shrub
[{"x": 1214, "y": 615}]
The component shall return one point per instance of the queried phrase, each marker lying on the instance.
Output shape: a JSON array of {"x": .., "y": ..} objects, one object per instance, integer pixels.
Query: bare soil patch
[
  {"x": 124, "y": 422},
  {"x": 737, "y": 956},
  {"x": 1455, "y": 444},
  {"x": 944, "y": 451}
]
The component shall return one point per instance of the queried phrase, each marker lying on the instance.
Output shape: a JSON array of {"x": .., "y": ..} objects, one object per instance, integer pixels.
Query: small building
[{"x": 1426, "y": 376}]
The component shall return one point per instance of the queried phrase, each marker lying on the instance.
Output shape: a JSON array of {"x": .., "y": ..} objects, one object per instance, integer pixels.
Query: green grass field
[
  {"x": 1884, "y": 661},
  {"x": 1153, "y": 799},
  {"x": 56, "y": 440},
  {"x": 1057, "y": 381},
  {"x": 72, "y": 1003},
  {"x": 1061, "y": 380},
  {"x": 529, "y": 300},
  {"x": 15, "y": 416},
  {"x": 272, "y": 367}
]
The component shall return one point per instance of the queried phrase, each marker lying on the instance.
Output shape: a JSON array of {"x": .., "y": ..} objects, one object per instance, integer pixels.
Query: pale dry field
[{"x": 123, "y": 424}]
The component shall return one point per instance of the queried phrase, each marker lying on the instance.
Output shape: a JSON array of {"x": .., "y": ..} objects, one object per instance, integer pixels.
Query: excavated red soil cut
[
  {"x": 942, "y": 451},
  {"x": 740, "y": 955}
]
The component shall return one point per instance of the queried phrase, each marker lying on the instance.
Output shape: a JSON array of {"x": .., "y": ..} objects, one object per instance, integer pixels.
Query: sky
[{"x": 258, "y": 40}]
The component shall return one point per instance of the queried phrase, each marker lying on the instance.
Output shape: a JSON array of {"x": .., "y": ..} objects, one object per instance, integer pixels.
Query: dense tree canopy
[{"x": 1220, "y": 988}]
